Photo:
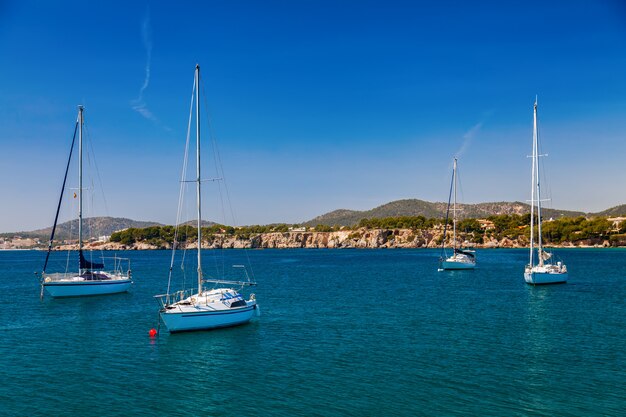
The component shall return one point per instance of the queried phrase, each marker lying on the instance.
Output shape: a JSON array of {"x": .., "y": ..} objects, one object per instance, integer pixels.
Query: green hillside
[
  {"x": 92, "y": 227},
  {"x": 613, "y": 211},
  {"x": 414, "y": 207}
]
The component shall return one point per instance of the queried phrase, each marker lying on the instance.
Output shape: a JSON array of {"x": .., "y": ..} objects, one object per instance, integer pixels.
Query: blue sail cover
[{"x": 85, "y": 264}]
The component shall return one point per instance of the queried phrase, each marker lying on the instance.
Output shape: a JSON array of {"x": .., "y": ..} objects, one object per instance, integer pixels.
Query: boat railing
[
  {"x": 166, "y": 300},
  {"x": 56, "y": 276},
  {"x": 229, "y": 282},
  {"x": 242, "y": 283},
  {"x": 120, "y": 265}
]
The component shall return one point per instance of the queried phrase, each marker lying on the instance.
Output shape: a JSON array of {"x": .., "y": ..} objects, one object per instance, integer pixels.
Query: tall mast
[
  {"x": 198, "y": 181},
  {"x": 80, "y": 181},
  {"x": 539, "y": 243},
  {"x": 454, "y": 210},
  {"x": 532, "y": 183}
]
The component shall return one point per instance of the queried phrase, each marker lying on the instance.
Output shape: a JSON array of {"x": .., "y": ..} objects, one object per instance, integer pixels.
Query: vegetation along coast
[{"x": 484, "y": 225}]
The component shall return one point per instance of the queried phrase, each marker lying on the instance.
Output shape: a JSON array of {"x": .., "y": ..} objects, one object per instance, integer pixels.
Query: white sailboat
[
  {"x": 91, "y": 278},
  {"x": 461, "y": 258},
  {"x": 540, "y": 270},
  {"x": 205, "y": 309}
]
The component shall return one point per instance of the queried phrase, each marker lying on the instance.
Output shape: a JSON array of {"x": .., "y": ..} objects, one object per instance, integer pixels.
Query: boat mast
[
  {"x": 539, "y": 242},
  {"x": 80, "y": 184},
  {"x": 198, "y": 181},
  {"x": 454, "y": 214},
  {"x": 532, "y": 183}
]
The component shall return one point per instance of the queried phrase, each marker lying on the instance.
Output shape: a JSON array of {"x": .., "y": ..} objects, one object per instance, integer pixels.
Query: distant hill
[
  {"x": 99, "y": 226},
  {"x": 194, "y": 223},
  {"x": 92, "y": 227},
  {"x": 414, "y": 207},
  {"x": 337, "y": 217},
  {"x": 613, "y": 211}
]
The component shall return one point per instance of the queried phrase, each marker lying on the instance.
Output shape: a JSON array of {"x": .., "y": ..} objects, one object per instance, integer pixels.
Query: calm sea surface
[{"x": 341, "y": 332}]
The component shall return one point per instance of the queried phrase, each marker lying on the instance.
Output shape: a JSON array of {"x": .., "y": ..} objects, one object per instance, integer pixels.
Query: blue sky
[{"x": 316, "y": 105}]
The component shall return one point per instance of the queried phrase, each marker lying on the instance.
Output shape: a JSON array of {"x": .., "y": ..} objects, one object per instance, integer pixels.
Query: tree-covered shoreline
[{"x": 472, "y": 231}]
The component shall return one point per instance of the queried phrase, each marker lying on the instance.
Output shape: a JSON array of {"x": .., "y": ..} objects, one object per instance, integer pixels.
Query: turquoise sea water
[{"x": 342, "y": 332}]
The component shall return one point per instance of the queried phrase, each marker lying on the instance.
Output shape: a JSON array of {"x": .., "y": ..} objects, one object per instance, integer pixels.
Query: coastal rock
[
  {"x": 360, "y": 238},
  {"x": 491, "y": 243},
  {"x": 145, "y": 246}
]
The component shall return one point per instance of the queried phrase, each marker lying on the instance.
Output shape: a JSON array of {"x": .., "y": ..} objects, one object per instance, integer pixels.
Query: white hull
[
  {"x": 449, "y": 264},
  {"x": 206, "y": 319},
  {"x": 69, "y": 288},
  {"x": 545, "y": 277},
  {"x": 457, "y": 261}
]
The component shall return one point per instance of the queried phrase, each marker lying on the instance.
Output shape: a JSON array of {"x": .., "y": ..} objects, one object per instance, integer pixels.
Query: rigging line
[
  {"x": 215, "y": 260},
  {"x": 91, "y": 158},
  {"x": 187, "y": 230},
  {"x": 56, "y": 217},
  {"x": 182, "y": 187},
  {"x": 219, "y": 173},
  {"x": 459, "y": 185},
  {"x": 545, "y": 185},
  {"x": 88, "y": 207},
  {"x": 221, "y": 272},
  {"x": 95, "y": 163},
  {"x": 218, "y": 162},
  {"x": 211, "y": 132},
  {"x": 74, "y": 213},
  {"x": 445, "y": 225}
]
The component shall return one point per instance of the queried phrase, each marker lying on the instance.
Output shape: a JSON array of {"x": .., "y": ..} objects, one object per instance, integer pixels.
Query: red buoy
[{"x": 152, "y": 332}]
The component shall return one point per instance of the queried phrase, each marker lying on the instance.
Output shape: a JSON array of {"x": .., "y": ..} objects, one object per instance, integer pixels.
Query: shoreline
[
  {"x": 345, "y": 239},
  {"x": 338, "y": 248}
]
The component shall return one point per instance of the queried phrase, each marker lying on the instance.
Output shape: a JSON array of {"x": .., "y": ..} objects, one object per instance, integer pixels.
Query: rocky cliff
[{"x": 377, "y": 238}]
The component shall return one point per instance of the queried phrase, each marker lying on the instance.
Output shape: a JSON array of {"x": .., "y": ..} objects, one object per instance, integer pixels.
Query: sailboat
[
  {"x": 91, "y": 278},
  {"x": 461, "y": 258},
  {"x": 205, "y": 309},
  {"x": 540, "y": 270}
]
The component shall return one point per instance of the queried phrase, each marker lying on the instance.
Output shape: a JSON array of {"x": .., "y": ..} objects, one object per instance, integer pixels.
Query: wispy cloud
[
  {"x": 468, "y": 137},
  {"x": 139, "y": 104}
]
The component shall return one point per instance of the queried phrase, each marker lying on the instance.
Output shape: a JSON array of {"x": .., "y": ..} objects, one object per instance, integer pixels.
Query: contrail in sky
[{"x": 138, "y": 104}]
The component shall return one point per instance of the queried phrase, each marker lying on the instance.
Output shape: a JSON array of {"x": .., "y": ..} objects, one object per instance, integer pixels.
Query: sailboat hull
[
  {"x": 202, "y": 319},
  {"x": 86, "y": 288},
  {"x": 74, "y": 285},
  {"x": 449, "y": 265},
  {"x": 545, "y": 278}
]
